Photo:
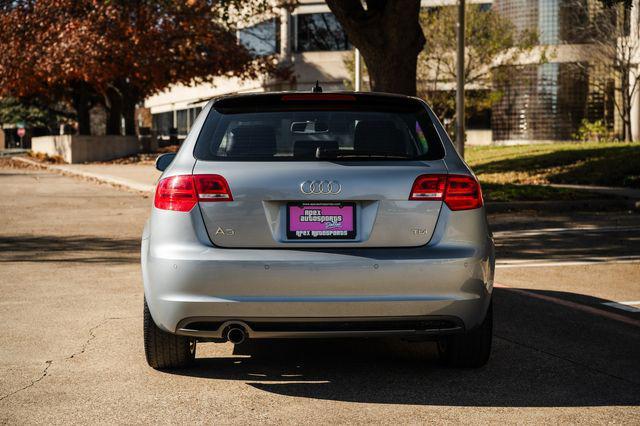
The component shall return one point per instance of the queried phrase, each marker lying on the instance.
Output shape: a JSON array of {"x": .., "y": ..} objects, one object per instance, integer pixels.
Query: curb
[
  {"x": 610, "y": 190},
  {"x": 563, "y": 206},
  {"x": 108, "y": 179}
]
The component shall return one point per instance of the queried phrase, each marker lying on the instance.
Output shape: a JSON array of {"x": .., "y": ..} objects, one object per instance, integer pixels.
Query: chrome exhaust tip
[{"x": 236, "y": 335}]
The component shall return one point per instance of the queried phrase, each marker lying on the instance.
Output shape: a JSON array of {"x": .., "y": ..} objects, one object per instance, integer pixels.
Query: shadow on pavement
[
  {"x": 577, "y": 166},
  {"x": 544, "y": 355},
  {"x": 582, "y": 245},
  {"x": 86, "y": 249}
]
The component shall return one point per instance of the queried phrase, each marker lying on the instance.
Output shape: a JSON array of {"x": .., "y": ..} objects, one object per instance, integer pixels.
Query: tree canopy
[
  {"x": 33, "y": 113},
  {"x": 117, "y": 52}
]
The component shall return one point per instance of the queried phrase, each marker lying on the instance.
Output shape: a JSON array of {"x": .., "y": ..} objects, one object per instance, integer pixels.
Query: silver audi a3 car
[{"x": 296, "y": 215}]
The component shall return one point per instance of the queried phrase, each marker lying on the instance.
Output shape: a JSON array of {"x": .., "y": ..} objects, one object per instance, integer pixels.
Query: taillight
[
  {"x": 181, "y": 193},
  {"x": 463, "y": 193},
  {"x": 212, "y": 188},
  {"x": 428, "y": 187},
  {"x": 459, "y": 192},
  {"x": 176, "y": 193}
]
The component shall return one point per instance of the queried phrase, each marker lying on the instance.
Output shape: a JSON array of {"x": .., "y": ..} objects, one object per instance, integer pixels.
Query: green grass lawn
[
  {"x": 494, "y": 192},
  {"x": 509, "y": 173}
]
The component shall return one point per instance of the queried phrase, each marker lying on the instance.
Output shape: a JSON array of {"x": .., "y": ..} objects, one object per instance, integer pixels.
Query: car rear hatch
[{"x": 319, "y": 172}]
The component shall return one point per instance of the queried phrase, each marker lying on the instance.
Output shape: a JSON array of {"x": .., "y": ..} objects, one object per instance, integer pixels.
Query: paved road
[{"x": 71, "y": 341}]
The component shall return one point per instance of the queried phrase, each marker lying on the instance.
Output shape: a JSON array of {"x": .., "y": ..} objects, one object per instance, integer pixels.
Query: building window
[
  {"x": 182, "y": 122},
  {"x": 542, "y": 102},
  {"x": 261, "y": 39},
  {"x": 548, "y": 18},
  {"x": 193, "y": 114},
  {"x": 555, "y": 21},
  {"x": 318, "y": 32},
  {"x": 184, "y": 118},
  {"x": 162, "y": 122}
]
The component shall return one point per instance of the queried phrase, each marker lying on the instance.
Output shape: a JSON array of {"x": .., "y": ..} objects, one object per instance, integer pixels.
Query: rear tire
[
  {"x": 165, "y": 350},
  {"x": 469, "y": 350}
]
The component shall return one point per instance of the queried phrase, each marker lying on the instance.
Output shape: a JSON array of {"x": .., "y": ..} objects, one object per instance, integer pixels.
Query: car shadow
[
  {"x": 68, "y": 248},
  {"x": 544, "y": 355}
]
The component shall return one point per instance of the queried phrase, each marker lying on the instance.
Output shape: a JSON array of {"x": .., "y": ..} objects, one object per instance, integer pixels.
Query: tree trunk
[
  {"x": 393, "y": 74},
  {"x": 627, "y": 126},
  {"x": 626, "y": 106},
  {"x": 389, "y": 37},
  {"x": 81, "y": 99},
  {"x": 129, "y": 113},
  {"x": 114, "y": 112}
]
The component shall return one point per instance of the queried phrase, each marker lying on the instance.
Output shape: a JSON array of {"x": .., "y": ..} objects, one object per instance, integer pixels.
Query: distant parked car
[{"x": 289, "y": 215}]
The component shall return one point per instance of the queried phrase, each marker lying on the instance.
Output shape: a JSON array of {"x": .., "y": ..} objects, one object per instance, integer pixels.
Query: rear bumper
[
  {"x": 270, "y": 328},
  {"x": 343, "y": 292}
]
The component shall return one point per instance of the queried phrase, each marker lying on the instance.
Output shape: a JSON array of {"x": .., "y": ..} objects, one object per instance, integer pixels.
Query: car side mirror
[{"x": 163, "y": 160}]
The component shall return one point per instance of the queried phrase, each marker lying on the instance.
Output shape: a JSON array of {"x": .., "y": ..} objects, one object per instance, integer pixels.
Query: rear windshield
[{"x": 308, "y": 135}]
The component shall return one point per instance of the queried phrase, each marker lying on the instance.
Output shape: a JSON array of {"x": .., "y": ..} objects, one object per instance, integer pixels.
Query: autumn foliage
[{"x": 115, "y": 53}]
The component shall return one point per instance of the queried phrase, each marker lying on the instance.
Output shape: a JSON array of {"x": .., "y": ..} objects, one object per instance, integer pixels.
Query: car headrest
[
  {"x": 308, "y": 148},
  {"x": 378, "y": 136},
  {"x": 258, "y": 140}
]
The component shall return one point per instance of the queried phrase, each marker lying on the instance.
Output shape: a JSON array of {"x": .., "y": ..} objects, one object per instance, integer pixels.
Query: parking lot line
[{"x": 573, "y": 305}]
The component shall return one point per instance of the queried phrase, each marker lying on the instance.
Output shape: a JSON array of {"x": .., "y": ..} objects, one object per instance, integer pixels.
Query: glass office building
[{"x": 548, "y": 101}]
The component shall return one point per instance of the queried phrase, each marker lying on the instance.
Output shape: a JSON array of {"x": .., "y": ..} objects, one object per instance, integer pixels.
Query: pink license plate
[{"x": 327, "y": 221}]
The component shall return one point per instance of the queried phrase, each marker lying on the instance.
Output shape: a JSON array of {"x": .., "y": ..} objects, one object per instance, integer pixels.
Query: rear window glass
[{"x": 308, "y": 135}]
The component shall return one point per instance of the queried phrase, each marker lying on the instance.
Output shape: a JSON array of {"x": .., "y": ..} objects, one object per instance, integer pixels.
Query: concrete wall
[
  {"x": 82, "y": 149},
  {"x": 479, "y": 137}
]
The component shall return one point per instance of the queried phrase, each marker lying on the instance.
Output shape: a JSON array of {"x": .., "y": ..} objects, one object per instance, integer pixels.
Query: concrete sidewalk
[{"x": 137, "y": 176}]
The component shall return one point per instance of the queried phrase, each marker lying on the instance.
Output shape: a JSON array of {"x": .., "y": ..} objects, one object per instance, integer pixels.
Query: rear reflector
[
  {"x": 181, "y": 193},
  {"x": 459, "y": 192}
]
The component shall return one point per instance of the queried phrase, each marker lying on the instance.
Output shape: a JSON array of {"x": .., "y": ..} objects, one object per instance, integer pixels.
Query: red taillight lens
[
  {"x": 459, "y": 192},
  {"x": 463, "y": 193},
  {"x": 181, "y": 193},
  {"x": 428, "y": 188},
  {"x": 176, "y": 193},
  {"x": 212, "y": 188}
]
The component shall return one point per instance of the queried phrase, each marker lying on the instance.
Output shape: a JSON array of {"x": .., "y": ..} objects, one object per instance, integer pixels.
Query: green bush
[{"x": 595, "y": 131}]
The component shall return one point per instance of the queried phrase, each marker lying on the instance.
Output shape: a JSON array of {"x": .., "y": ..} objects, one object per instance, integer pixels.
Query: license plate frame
[{"x": 309, "y": 233}]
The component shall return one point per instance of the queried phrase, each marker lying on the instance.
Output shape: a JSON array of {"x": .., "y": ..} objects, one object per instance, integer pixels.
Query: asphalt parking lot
[{"x": 566, "y": 347}]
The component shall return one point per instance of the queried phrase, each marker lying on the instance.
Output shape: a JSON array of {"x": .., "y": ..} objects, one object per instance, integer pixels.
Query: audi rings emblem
[{"x": 322, "y": 187}]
